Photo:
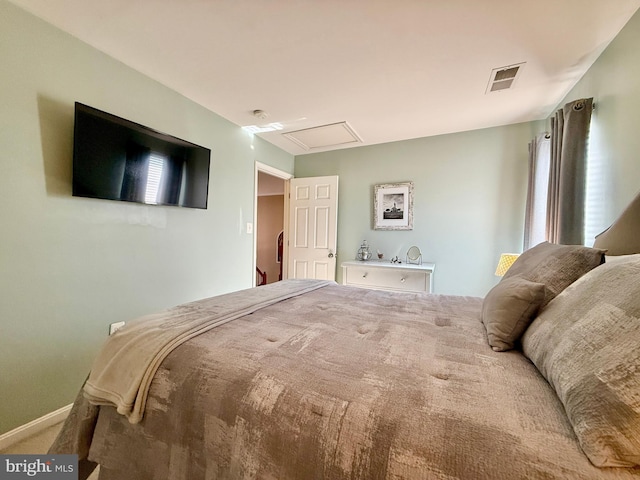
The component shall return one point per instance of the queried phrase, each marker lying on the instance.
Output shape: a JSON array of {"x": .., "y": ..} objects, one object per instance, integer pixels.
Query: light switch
[{"x": 249, "y": 228}]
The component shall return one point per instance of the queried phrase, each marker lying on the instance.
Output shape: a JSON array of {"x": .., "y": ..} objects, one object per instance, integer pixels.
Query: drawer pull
[
  {"x": 364, "y": 275},
  {"x": 402, "y": 280}
]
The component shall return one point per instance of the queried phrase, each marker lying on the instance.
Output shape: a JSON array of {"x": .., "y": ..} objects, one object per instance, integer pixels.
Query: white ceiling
[{"x": 391, "y": 69}]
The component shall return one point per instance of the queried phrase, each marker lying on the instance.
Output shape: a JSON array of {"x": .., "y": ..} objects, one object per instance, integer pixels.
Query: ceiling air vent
[{"x": 503, "y": 78}]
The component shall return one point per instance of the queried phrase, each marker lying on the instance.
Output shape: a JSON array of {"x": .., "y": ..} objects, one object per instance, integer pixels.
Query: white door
[{"x": 313, "y": 226}]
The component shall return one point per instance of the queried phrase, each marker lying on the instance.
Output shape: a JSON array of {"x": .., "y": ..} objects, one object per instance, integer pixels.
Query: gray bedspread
[
  {"x": 125, "y": 367},
  {"x": 340, "y": 383}
]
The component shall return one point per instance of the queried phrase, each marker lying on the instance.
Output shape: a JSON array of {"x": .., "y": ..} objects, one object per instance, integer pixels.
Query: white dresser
[{"x": 384, "y": 275}]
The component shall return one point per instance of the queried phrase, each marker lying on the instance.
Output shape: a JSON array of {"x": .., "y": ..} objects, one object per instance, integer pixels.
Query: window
[
  {"x": 154, "y": 177},
  {"x": 595, "y": 186},
  {"x": 538, "y": 220}
]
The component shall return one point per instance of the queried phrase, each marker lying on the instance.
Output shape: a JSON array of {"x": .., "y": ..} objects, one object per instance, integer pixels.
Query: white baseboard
[{"x": 32, "y": 428}]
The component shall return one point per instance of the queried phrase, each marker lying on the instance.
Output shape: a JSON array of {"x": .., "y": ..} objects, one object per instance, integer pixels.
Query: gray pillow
[
  {"x": 586, "y": 343},
  {"x": 508, "y": 309},
  {"x": 555, "y": 266}
]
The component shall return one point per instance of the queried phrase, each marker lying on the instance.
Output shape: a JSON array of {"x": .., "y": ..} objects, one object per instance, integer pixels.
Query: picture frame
[{"x": 393, "y": 206}]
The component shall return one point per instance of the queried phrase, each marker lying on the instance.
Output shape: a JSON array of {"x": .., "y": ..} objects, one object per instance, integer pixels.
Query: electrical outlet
[{"x": 115, "y": 326}]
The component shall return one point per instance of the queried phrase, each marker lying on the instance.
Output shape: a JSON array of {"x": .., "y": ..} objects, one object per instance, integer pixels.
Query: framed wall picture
[{"x": 393, "y": 206}]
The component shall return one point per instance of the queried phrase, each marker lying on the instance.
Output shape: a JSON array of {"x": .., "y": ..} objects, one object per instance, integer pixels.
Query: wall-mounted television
[{"x": 116, "y": 159}]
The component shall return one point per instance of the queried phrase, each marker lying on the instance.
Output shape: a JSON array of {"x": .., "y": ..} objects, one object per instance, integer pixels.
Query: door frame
[{"x": 274, "y": 172}]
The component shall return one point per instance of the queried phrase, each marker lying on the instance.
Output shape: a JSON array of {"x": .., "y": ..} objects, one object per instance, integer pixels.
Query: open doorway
[{"x": 271, "y": 186}]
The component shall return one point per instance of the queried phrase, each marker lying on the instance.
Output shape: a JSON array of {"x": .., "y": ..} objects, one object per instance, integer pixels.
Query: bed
[{"x": 314, "y": 380}]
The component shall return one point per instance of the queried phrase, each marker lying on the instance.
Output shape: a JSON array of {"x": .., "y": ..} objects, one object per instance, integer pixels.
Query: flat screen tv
[{"x": 116, "y": 159}]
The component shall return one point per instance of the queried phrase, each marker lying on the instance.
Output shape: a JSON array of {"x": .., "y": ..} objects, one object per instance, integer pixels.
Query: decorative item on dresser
[
  {"x": 384, "y": 275},
  {"x": 414, "y": 255},
  {"x": 364, "y": 253}
]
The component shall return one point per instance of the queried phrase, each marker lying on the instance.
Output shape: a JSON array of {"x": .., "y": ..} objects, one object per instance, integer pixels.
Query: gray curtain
[{"x": 567, "y": 172}]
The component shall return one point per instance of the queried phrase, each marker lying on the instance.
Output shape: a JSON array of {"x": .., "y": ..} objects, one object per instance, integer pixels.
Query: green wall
[
  {"x": 614, "y": 83},
  {"x": 470, "y": 191},
  {"x": 71, "y": 266}
]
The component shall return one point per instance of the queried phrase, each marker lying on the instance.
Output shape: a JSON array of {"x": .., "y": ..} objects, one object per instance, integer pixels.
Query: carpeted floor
[{"x": 39, "y": 444}]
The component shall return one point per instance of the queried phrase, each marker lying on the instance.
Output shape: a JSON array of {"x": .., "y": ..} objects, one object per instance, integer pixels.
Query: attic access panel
[{"x": 324, "y": 136}]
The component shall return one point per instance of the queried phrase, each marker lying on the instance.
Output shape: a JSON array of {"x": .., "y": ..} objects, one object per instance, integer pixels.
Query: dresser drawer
[{"x": 387, "y": 278}]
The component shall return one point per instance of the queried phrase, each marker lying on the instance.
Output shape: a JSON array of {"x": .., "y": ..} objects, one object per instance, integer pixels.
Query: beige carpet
[{"x": 38, "y": 444}]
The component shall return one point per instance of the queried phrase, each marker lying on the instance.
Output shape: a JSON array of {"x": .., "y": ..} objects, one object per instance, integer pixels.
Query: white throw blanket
[{"x": 123, "y": 371}]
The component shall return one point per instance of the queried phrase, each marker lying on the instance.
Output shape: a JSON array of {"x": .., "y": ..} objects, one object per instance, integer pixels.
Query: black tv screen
[{"x": 116, "y": 159}]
